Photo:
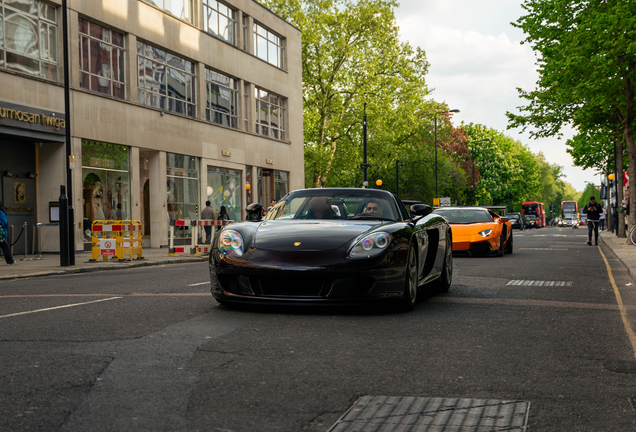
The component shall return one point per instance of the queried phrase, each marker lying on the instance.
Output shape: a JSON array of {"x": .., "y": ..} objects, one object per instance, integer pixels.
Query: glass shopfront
[
  {"x": 224, "y": 189},
  {"x": 272, "y": 185},
  {"x": 183, "y": 190},
  {"x": 105, "y": 182}
]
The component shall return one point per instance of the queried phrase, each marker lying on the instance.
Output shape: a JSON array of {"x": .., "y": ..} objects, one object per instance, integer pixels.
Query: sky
[{"x": 477, "y": 63}]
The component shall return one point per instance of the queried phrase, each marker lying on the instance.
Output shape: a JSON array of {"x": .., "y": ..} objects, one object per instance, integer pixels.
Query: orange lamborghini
[{"x": 478, "y": 230}]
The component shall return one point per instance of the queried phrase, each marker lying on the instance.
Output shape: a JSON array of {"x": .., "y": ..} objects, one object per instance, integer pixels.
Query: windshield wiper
[{"x": 358, "y": 217}]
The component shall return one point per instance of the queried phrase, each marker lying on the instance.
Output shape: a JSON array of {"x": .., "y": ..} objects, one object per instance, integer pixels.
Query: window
[
  {"x": 28, "y": 38},
  {"x": 101, "y": 59},
  {"x": 224, "y": 189},
  {"x": 182, "y": 9},
  {"x": 166, "y": 81},
  {"x": 246, "y": 104},
  {"x": 222, "y": 99},
  {"x": 270, "y": 114},
  {"x": 105, "y": 183},
  {"x": 268, "y": 46},
  {"x": 183, "y": 190},
  {"x": 219, "y": 20}
]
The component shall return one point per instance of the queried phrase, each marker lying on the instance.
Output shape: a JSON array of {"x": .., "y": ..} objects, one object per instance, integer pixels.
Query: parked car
[
  {"x": 517, "y": 221},
  {"x": 478, "y": 230},
  {"x": 332, "y": 246}
]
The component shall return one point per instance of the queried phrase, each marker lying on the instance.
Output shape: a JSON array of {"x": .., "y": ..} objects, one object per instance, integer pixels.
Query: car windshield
[
  {"x": 353, "y": 204},
  {"x": 465, "y": 216},
  {"x": 531, "y": 218},
  {"x": 513, "y": 217}
]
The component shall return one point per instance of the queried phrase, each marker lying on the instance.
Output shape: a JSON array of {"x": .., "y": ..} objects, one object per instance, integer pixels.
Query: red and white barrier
[{"x": 194, "y": 224}]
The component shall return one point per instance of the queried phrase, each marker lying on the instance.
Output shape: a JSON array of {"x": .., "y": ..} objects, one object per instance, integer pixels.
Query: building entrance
[{"x": 19, "y": 188}]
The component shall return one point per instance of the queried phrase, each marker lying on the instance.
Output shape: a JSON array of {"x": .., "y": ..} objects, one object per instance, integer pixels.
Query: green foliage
[
  {"x": 589, "y": 191},
  {"x": 586, "y": 53},
  {"x": 351, "y": 54}
]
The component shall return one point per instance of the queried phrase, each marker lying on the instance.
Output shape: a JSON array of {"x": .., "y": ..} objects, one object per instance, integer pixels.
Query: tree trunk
[
  {"x": 631, "y": 154},
  {"x": 619, "y": 184}
]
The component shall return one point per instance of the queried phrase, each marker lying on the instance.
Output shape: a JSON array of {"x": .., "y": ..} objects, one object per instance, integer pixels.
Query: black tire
[
  {"x": 502, "y": 242},
  {"x": 443, "y": 283},
  {"x": 410, "y": 282},
  {"x": 509, "y": 246}
]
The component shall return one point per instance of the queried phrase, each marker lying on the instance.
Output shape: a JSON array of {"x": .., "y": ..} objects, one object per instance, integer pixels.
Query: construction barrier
[
  {"x": 194, "y": 248},
  {"x": 123, "y": 238}
]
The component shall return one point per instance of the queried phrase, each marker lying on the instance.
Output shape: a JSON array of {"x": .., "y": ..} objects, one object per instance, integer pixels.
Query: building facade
[{"x": 172, "y": 103}]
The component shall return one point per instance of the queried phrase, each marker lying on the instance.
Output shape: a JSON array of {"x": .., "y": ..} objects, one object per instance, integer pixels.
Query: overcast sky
[{"x": 476, "y": 64}]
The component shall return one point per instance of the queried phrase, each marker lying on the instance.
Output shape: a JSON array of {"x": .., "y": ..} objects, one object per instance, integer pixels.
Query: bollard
[
  {"x": 25, "y": 228},
  {"x": 39, "y": 226}
]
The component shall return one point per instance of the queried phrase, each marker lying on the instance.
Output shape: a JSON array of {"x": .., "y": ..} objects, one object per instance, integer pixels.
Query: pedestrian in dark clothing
[
  {"x": 593, "y": 210},
  {"x": 207, "y": 213},
  {"x": 614, "y": 219},
  {"x": 223, "y": 216},
  {"x": 4, "y": 231}
]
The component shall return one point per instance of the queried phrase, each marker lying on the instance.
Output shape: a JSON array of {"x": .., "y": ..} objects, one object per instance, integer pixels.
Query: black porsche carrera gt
[{"x": 332, "y": 246}]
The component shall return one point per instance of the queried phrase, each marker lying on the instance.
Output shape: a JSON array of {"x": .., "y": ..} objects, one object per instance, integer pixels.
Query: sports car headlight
[
  {"x": 231, "y": 243},
  {"x": 485, "y": 233},
  {"x": 371, "y": 245}
]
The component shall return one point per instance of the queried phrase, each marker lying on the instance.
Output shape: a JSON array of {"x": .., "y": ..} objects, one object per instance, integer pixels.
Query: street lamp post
[
  {"x": 472, "y": 157},
  {"x": 439, "y": 112}
]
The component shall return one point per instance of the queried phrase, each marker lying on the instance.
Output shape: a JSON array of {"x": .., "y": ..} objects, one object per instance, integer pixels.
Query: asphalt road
[{"x": 149, "y": 349}]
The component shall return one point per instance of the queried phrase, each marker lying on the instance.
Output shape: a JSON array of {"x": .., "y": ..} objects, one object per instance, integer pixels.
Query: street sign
[
  {"x": 107, "y": 247},
  {"x": 436, "y": 201},
  {"x": 445, "y": 202}
]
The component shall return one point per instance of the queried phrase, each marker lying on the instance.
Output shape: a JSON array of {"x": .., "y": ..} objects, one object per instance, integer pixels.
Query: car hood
[{"x": 308, "y": 235}]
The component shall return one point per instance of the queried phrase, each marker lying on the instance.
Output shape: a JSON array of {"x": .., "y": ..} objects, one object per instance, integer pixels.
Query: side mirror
[
  {"x": 254, "y": 212},
  {"x": 421, "y": 210},
  {"x": 503, "y": 219}
]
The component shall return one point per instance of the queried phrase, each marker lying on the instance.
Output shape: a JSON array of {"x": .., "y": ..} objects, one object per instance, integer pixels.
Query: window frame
[
  {"x": 190, "y": 4},
  {"x": 265, "y": 128},
  {"x": 232, "y": 20},
  {"x": 270, "y": 38},
  {"x": 113, "y": 47},
  {"x": 40, "y": 19},
  {"x": 234, "y": 98},
  {"x": 165, "y": 97}
]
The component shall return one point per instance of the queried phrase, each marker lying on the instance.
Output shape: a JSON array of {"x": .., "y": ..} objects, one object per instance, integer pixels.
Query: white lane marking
[
  {"x": 59, "y": 307},
  {"x": 200, "y": 283}
]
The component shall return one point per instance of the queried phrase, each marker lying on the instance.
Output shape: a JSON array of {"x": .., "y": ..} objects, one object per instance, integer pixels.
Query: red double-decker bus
[
  {"x": 536, "y": 209},
  {"x": 569, "y": 208}
]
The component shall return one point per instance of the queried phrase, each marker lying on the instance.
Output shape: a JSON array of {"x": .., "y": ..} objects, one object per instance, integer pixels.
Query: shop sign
[
  {"x": 24, "y": 117},
  {"x": 107, "y": 247}
]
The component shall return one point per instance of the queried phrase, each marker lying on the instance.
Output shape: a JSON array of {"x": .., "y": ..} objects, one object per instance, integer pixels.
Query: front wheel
[
  {"x": 443, "y": 283},
  {"x": 502, "y": 241},
  {"x": 632, "y": 235},
  {"x": 410, "y": 284},
  {"x": 509, "y": 246}
]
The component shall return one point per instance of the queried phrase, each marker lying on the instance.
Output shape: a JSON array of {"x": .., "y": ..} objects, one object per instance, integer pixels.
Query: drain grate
[
  {"x": 539, "y": 283},
  {"x": 416, "y": 414}
]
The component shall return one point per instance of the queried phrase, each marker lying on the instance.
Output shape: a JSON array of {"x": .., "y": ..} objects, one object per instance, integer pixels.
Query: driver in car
[{"x": 373, "y": 208}]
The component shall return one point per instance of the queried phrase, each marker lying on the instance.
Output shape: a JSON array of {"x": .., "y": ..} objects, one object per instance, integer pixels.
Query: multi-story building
[{"x": 172, "y": 103}]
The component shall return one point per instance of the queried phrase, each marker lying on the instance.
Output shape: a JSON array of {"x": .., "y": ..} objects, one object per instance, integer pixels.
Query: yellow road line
[
  {"x": 57, "y": 307},
  {"x": 621, "y": 307}
]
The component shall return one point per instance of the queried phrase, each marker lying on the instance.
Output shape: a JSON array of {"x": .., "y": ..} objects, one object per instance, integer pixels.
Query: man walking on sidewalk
[
  {"x": 207, "y": 213},
  {"x": 602, "y": 220},
  {"x": 593, "y": 210}
]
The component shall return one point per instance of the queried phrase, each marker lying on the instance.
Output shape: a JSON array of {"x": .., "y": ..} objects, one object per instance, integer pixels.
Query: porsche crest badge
[{"x": 297, "y": 244}]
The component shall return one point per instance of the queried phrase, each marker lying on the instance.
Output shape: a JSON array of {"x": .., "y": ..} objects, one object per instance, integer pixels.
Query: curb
[
  {"x": 116, "y": 266},
  {"x": 629, "y": 269}
]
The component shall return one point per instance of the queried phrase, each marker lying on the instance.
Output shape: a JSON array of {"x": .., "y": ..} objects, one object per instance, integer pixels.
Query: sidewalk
[
  {"x": 50, "y": 264},
  {"x": 625, "y": 252}
]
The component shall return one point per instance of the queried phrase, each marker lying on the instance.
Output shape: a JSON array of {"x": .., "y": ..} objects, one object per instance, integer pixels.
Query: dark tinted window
[{"x": 464, "y": 216}]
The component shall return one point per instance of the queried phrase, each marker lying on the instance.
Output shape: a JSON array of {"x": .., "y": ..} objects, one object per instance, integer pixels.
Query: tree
[
  {"x": 351, "y": 54},
  {"x": 589, "y": 191},
  {"x": 587, "y": 70}
]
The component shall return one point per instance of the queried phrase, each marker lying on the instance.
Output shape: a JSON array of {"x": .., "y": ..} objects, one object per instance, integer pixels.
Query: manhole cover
[
  {"x": 411, "y": 414},
  {"x": 621, "y": 366}
]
